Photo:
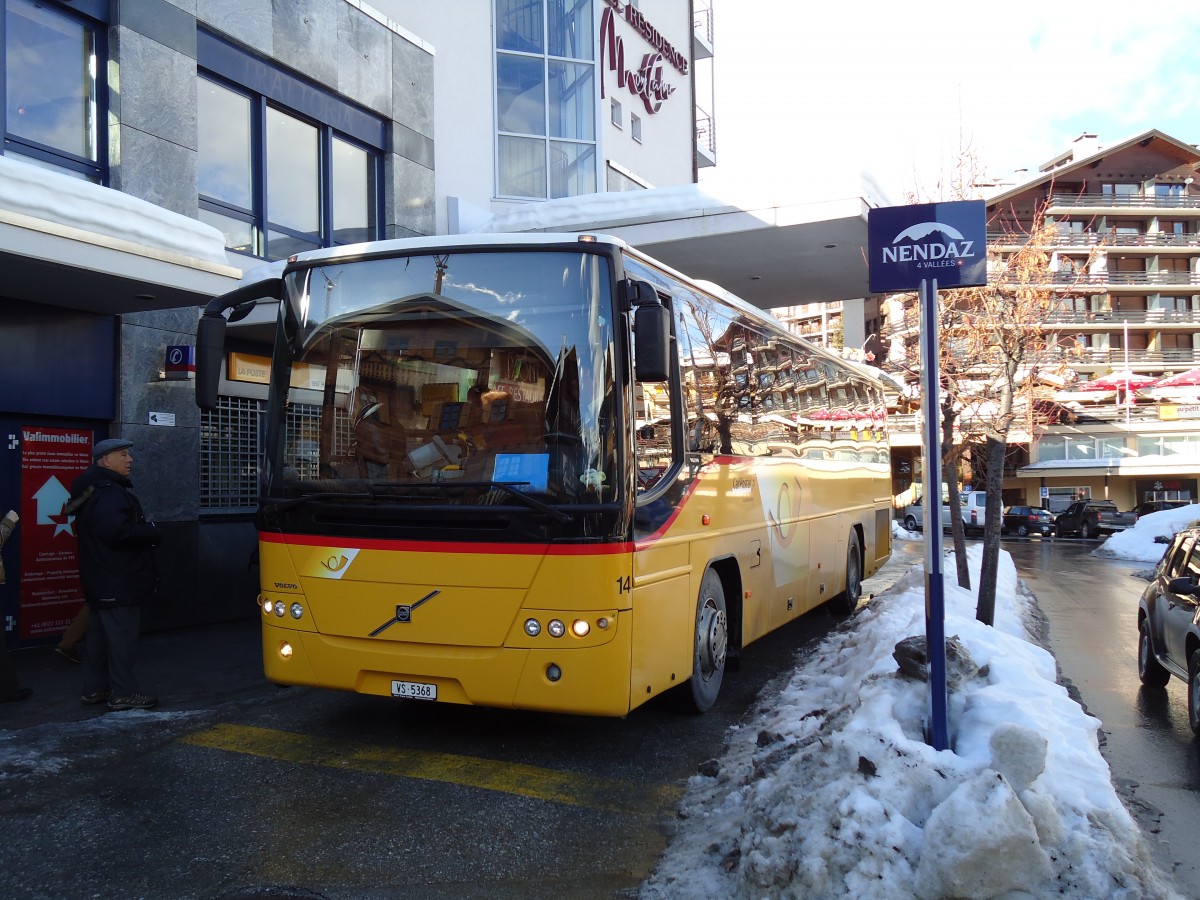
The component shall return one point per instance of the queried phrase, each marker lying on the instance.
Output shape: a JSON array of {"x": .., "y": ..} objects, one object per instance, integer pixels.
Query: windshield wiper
[
  {"x": 291, "y": 502},
  {"x": 508, "y": 487}
]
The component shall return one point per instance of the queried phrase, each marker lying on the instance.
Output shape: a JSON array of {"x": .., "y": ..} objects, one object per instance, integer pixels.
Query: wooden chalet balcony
[
  {"x": 1123, "y": 201},
  {"x": 1088, "y": 239}
]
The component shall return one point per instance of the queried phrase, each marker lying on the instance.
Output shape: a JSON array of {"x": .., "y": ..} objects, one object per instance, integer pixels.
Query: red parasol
[
  {"x": 1117, "y": 381},
  {"x": 1190, "y": 378}
]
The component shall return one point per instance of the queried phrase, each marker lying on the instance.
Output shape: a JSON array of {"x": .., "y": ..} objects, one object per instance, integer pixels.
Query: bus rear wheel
[{"x": 711, "y": 643}]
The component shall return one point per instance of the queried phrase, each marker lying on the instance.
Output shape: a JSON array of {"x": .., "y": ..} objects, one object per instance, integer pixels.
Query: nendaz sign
[{"x": 942, "y": 242}]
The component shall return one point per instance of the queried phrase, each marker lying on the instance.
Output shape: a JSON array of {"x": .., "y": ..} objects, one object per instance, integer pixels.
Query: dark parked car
[
  {"x": 1026, "y": 520},
  {"x": 1168, "y": 633},
  {"x": 1153, "y": 506}
]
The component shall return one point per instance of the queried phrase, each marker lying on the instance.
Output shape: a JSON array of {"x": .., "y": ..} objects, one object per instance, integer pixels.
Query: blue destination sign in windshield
[{"x": 946, "y": 242}]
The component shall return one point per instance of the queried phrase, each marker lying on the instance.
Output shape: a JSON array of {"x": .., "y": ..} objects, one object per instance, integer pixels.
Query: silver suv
[{"x": 1168, "y": 635}]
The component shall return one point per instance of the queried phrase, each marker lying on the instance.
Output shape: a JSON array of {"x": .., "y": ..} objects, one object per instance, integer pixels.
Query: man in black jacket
[{"x": 117, "y": 569}]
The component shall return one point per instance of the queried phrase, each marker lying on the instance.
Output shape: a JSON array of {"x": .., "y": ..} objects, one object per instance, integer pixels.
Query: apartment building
[{"x": 1125, "y": 257}]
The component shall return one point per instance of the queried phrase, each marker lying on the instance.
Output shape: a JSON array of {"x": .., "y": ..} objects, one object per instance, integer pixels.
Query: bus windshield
[{"x": 469, "y": 377}]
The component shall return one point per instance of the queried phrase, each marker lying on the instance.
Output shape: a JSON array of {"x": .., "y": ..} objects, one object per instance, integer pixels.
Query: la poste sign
[{"x": 946, "y": 242}]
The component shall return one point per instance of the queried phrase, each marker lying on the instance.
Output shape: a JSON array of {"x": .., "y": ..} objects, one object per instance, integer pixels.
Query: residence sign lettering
[
  {"x": 647, "y": 80},
  {"x": 946, "y": 242}
]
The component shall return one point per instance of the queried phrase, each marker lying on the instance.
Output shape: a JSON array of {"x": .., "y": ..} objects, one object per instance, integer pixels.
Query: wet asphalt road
[{"x": 1091, "y": 605}]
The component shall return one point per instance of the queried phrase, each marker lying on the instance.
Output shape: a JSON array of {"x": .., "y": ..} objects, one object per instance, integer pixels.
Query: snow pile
[
  {"x": 52, "y": 196},
  {"x": 1149, "y": 537},
  {"x": 834, "y": 791}
]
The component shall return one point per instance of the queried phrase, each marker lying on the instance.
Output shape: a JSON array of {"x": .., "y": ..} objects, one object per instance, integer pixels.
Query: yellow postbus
[{"x": 547, "y": 473}]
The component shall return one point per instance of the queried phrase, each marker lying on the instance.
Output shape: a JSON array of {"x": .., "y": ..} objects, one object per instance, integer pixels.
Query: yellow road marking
[{"x": 490, "y": 775}]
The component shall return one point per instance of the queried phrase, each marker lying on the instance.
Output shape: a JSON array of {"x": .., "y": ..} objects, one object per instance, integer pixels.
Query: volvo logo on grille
[{"x": 404, "y": 613}]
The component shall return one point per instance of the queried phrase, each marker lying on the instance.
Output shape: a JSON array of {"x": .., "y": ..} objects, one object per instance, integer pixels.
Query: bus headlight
[
  {"x": 280, "y": 608},
  {"x": 533, "y": 627},
  {"x": 268, "y": 606},
  {"x": 580, "y": 628},
  {"x": 556, "y": 628},
  {"x": 297, "y": 611}
]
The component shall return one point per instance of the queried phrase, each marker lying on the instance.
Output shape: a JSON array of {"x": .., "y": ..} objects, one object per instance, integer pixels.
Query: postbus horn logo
[{"x": 913, "y": 245}]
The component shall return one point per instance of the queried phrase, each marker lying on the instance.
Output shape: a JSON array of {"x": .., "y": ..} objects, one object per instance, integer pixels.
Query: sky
[
  {"x": 830, "y": 790},
  {"x": 896, "y": 89}
]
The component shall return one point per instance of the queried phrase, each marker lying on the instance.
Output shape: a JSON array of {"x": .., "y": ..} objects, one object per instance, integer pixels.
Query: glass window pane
[
  {"x": 293, "y": 194},
  {"x": 281, "y": 246},
  {"x": 522, "y": 167},
  {"x": 520, "y": 94},
  {"x": 571, "y": 28},
  {"x": 51, "y": 74},
  {"x": 572, "y": 169},
  {"x": 519, "y": 25},
  {"x": 239, "y": 235},
  {"x": 353, "y": 194},
  {"x": 224, "y": 160},
  {"x": 572, "y": 101}
]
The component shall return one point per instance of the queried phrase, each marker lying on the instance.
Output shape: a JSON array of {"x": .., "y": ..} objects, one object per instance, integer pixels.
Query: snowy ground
[{"x": 834, "y": 792}]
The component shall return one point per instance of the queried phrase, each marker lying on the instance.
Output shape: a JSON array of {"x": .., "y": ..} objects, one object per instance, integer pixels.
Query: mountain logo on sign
[{"x": 929, "y": 245}]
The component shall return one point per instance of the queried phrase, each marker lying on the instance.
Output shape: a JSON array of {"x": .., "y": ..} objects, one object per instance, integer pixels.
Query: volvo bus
[{"x": 547, "y": 472}]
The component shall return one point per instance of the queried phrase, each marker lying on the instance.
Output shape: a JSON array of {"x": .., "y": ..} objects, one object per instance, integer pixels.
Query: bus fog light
[
  {"x": 533, "y": 627},
  {"x": 553, "y": 672},
  {"x": 580, "y": 628},
  {"x": 285, "y": 650},
  {"x": 280, "y": 608},
  {"x": 297, "y": 611},
  {"x": 556, "y": 628}
]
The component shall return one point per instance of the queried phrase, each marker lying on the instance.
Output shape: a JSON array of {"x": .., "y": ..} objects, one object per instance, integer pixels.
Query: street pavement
[{"x": 187, "y": 669}]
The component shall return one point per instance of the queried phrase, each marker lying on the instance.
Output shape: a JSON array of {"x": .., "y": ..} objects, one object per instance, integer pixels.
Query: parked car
[
  {"x": 1153, "y": 506},
  {"x": 1168, "y": 633},
  {"x": 1088, "y": 518},
  {"x": 973, "y": 512},
  {"x": 1026, "y": 520}
]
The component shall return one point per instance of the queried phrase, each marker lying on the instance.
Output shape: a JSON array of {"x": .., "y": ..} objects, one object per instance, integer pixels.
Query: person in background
[
  {"x": 118, "y": 573},
  {"x": 68, "y": 646},
  {"x": 10, "y": 685}
]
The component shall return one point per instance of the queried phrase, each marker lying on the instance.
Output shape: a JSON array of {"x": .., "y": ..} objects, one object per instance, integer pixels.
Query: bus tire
[
  {"x": 710, "y": 644},
  {"x": 847, "y": 602}
]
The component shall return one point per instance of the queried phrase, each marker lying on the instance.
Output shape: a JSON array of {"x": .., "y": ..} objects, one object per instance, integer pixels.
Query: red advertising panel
[{"x": 50, "y": 593}]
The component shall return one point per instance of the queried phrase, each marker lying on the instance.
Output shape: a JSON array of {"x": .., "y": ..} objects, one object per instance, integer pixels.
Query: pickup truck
[{"x": 1088, "y": 518}]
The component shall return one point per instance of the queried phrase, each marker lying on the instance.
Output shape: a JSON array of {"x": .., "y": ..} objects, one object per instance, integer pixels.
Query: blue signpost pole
[{"x": 935, "y": 599}]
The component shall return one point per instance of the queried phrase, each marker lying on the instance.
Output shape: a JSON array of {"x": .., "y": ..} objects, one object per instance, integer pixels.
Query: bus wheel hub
[{"x": 714, "y": 640}]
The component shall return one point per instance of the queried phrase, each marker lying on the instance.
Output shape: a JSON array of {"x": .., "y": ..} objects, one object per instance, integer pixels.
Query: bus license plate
[{"x": 414, "y": 690}]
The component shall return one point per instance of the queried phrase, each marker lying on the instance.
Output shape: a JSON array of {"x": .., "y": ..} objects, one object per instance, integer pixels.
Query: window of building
[
  {"x": 616, "y": 114},
  {"x": 1120, "y": 189},
  {"x": 55, "y": 59},
  {"x": 274, "y": 174},
  {"x": 635, "y": 127},
  {"x": 545, "y": 98}
]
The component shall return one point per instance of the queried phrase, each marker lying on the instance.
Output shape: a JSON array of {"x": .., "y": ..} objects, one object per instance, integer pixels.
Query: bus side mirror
[
  {"x": 210, "y": 347},
  {"x": 651, "y": 331}
]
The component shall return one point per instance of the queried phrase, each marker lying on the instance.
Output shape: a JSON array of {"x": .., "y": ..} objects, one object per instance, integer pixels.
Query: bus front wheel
[
  {"x": 711, "y": 643},
  {"x": 847, "y": 601}
]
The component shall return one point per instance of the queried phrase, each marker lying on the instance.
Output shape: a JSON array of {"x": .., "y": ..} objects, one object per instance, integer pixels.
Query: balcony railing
[
  {"x": 1125, "y": 201},
  {"x": 706, "y": 132},
  {"x": 1093, "y": 279},
  {"x": 1079, "y": 358},
  {"x": 1110, "y": 317},
  {"x": 1089, "y": 239}
]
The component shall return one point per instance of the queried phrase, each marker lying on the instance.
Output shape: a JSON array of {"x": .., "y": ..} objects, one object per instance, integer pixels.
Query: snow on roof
[{"x": 49, "y": 196}]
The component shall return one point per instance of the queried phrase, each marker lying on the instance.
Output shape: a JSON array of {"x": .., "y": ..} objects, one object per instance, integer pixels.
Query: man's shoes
[
  {"x": 22, "y": 693},
  {"x": 132, "y": 701},
  {"x": 68, "y": 653},
  {"x": 94, "y": 698}
]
